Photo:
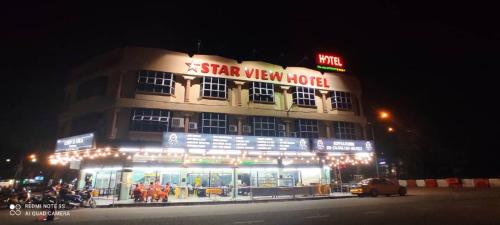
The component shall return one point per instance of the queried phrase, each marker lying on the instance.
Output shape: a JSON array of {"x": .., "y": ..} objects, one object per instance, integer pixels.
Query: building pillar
[
  {"x": 187, "y": 116},
  {"x": 119, "y": 88},
  {"x": 287, "y": 126},
  {"x": 125, "y": 184},
  {"x": 238, "y": 92},
  {"x": 81, "y": 180},
  {"x": 113, "y": 129},
  {"x": 187, "y": 87},
  {"x": 235, "y": 183},
  {"x": 285, "y": 96},
  {"x": 323, "y": 100},
  {"x": 240, "y": 125},
  {"x": 328, "y": 126}
]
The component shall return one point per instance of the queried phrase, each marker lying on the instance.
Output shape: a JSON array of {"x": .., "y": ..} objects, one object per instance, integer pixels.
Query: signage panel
[
  {"x": 342, "y": 146},
  {"x": 84, "y": 141},
  {"x": 233, "y": 142}
]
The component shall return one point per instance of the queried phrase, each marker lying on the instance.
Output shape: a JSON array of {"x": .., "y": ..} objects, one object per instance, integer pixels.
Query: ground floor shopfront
[{"x": 200, "y": 181}]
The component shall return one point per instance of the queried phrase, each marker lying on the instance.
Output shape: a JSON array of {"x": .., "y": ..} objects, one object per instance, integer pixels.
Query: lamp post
[{"x": 376, "y": 158}]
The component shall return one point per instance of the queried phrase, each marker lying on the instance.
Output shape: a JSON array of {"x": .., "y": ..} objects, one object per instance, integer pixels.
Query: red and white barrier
[
  {"x": 430, "y": 183},
  {"x": 411, "y": 183},
  {"x": 420, "y": 183},
  {"x": 442, "y": 183},
  {"x": 481, "y": 183},
  {"x": 452, "y": 183},
  {"x": 494, "y": 182},
  {"x": 468, "y": 183}
]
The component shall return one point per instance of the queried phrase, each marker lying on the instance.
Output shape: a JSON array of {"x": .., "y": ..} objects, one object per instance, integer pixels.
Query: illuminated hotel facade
[{"x": 138, "y": 115}]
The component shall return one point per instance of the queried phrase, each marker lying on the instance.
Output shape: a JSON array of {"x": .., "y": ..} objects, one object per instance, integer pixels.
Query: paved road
[{"x": 420, "y": 207}]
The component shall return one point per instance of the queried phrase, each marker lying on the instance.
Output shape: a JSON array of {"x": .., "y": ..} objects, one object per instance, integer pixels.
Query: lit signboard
[
  {"x": 327, "y": 61},
  {"x": 342, "y": 146},
  {"x": 233, "y": 142},
  {"x": 84, "y": 141}
]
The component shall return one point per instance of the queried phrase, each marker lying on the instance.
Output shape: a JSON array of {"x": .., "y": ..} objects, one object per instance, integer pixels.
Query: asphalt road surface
[{"x": 437, "y": 206}]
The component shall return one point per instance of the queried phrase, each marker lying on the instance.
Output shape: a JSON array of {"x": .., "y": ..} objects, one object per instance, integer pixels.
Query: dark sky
[{"x": 431, "y": 64}]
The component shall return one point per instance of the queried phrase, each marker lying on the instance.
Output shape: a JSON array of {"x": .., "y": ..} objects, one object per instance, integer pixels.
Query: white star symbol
[{"x": 193, "y": 67}]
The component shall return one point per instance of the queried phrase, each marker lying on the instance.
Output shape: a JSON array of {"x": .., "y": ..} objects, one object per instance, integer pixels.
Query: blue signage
[
  {"x": 233, "y": 142},
  {"x": 342, "y": 146},
  {"x": 84, "y": 141}
]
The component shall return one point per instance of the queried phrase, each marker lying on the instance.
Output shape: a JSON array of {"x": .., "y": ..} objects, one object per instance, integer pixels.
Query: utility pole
[{"x": 376, "y": 157}]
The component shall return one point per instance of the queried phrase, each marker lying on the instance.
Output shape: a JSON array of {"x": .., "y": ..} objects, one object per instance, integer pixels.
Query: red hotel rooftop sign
[{"x": 328, "y": 61}]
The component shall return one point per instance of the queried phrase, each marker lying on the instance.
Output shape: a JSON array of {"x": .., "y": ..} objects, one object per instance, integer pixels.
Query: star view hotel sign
[{"x": 257, "y": 74}]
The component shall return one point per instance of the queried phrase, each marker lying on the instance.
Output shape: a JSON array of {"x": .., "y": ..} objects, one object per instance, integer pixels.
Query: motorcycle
[{"x": 87, "y": 199}]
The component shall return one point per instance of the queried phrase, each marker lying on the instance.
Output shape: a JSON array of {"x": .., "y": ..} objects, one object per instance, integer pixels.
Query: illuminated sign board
[
  {"x": 327, "y": 61},
  {"x": 258, "y": 74},
  {"x": 233, "y": 142},
  {"x": 84, "y": 141},
  {"x": 342, "y": 146}
]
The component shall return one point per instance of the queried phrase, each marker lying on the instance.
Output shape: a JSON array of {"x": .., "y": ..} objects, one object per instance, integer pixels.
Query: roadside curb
[{"x": 166, "y": 204}]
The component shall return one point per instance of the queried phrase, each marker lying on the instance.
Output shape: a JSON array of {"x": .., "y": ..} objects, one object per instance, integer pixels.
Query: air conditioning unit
[
  {"x": 177, "y": 122},
  {"x": 281, "y": 127},
  {"x": 193, "y": 125},
  {"x": 233, "y": 128},
  {"x": 247, "y": 129}
]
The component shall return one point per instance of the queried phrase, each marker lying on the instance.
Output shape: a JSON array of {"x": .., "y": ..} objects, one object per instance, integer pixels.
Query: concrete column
[
  {"x": 125, "y": 184},
  {"x": 285, "y": 96},
  {"x": 323, "y": 100},
  {"x": 112, "y": 130},
  {"x": 81, "y": 180},
  {"x": 240, "y": 125},
  {"x": 187, "y": 87},
  {"x": 119, "y": 86},
  {"x": 328, "y": 126},
  {"x": 187, "y": 116},
  {"x": 235, "y": 183},
  {"x": 238, "y": 92},
  {"x": 287, "y": 126}
]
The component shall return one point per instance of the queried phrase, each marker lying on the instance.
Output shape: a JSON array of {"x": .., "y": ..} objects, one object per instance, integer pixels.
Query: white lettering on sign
[{"x": 330, "y": 60}]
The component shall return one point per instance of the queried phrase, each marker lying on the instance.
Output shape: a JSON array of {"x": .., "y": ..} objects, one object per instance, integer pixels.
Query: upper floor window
[
  {"x": 262, "y": 92},
  {"x": 304, "y": 96},
  {"x": 264, "y": 126},
  {"x": 213, "y": 123},
  {"x": 156, "y": 82},
  {"x": 307, "y": 128},
  {"x": 341, "y": 100},
  {"x": 149, "y": 120},
  {"x": 214, "y": 87},
  {"x": 93, "y": 87},
  {"x": 344, "y": 130}
]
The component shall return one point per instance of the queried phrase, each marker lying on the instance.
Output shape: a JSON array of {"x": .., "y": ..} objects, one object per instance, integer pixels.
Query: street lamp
[
  {"x": 390, "y": 129},
  {"x": 384, "y": 115}
]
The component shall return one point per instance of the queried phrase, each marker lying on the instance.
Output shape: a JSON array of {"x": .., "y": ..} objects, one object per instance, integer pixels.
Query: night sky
[{"x": 431, "y": 65}]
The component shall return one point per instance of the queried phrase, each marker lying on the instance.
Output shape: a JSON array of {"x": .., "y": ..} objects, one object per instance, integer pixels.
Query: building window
[
  {"x": 264, "y": 126},
  {"x": 304, "y": 96},
  {"x": 341, "y": 100},
  {"x": 344, "y": 130},
  {"x": 213, "y": 123},
  {"x": 156, "y": 82},
  {"x": 307, "y": 128},
  {"x": 262, "y": 92},
  {"x": 91, "y": 88},
  {"x": 149, "y": 120},
  {"x": 214, "y": 87}
]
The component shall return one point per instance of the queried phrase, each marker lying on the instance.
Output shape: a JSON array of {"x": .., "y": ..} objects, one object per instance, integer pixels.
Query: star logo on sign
[{"x": 193, "y": 67}]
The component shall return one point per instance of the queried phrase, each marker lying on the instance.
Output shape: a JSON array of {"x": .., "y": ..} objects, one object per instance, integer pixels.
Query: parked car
[{"x": 378, "y": 186}]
